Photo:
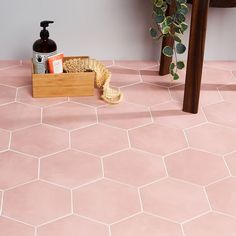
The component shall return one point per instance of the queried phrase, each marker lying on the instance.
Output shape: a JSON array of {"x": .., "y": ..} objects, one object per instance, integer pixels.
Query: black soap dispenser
[{"x": 42, "y": 49}]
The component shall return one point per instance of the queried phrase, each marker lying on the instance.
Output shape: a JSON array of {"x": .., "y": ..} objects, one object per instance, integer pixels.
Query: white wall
[{"x": 105, "y": 29}]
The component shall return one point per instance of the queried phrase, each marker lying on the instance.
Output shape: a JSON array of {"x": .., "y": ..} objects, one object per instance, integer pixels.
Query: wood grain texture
[{"x": 220, "y": 3}]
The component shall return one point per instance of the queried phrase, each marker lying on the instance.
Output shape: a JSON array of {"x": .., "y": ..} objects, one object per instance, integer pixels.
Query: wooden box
[{"x": 63, "y": 85}]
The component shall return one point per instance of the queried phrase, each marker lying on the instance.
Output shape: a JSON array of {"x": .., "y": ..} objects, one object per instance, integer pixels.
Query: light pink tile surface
[
  {"x": 40, "y": 140},
  {"x": 157, "y": 139},
  {"x": 146, "y": 94},
  {"x": 136, "y": 65},
  {"x": 222, "y": 196},
  {"x": 72, "y": 226},
  {"x": 212, "y": 224},
  {"x": 228, "y": 92},
  {"x": 106, "y": 201},
  {"x": 226, "y": 65},
  {"x": 143, "y": 225},
  {"x": 99, "y": 139},
  {"x": 231, "y": 162},
  {"x": 71, "y": 168},
  {"x": 124, "y": 115},
  {"x": 213, "y": 138},
  {"x": 16, "y": 169},
  {"x": 174, "y": 200},
  {"x": 36, "y": 203},
  {"x": 134, "y": 167},
  {"x": 196, "y": 166},
  {"x": 7, "y": 94},
  {"x": 4, "y": 140},
  {"x": 13, "y": 228},
  {"x": 69, "y": 115},
  {"x": 16, "y": 116},
  {"x": 8, "y": 63}
]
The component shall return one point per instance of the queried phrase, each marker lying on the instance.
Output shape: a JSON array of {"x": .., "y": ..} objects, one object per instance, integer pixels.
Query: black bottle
[{"x": 42, "y": 49}]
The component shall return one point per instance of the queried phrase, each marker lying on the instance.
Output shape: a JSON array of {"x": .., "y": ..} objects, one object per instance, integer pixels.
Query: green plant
[{"x": 171, "y": 25}]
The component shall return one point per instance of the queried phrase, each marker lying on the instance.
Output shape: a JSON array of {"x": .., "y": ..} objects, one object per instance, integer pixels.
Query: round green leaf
[
  {"x": 159, "y": 19},
  {"x": 183, "y": 26},
  {"x": 153, "y": 32},
  {"x": 172, "y": 66},
  {"x": 176, "y": 76},
  {"x": 177, "y": 38},
  {"x": 168, "y": 51},
  {"x": 180, "y": 65},
  {"x": 180, "y": 48}
]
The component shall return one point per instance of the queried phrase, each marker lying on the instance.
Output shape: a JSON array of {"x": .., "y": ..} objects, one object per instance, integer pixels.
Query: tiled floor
[{"x": 77, "y": 166}]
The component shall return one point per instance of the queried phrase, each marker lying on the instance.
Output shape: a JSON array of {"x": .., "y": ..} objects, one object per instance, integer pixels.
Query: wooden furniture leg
[
  {"x": 167, "y": 41},
  {"x": 195, "y": 55}
]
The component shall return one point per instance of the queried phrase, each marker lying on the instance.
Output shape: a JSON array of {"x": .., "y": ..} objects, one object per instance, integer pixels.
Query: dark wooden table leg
[
  {"x": 167, "y": 41},
  {"x": 195, "y": 55}
]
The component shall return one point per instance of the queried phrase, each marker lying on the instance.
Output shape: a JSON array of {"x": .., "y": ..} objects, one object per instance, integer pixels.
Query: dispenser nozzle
[{"x": 45, "y": 23}]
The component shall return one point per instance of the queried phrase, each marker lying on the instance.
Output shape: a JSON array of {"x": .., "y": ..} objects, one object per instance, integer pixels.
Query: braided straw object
[{"x": 103, "y": 76}]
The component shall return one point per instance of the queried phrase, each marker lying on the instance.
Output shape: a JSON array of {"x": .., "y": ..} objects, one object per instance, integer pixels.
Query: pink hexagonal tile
[
  {"x": 16, "y": 76},
  {"x": 223, "y": 113},
  {"x": 4, "y": 140},
  {"x": 171, "y": 114},
  {"x": 152, "y": 76},
  {"x": 146, "y": 94},
  {"x": 7, "y": 94},
  {"x": 40, "y": 140},
  {"x": 16, "y": 169},
  {"x": 8, "y": 63},
  {"x": 94, "y": 101},
  {"x": 121, "y": 76},
  {"x": 157, "y": 139},
  {"x": 12, "y": 228},
  {"x": 209, "y": 94},
  {"x": 211, "y": 224},
  {"x": 24, "y": 95},
  {"x": 134, "y": 167},
  {"x": 174, "y": 200},
  {"x": 143, "y": 225},
  {"x": 136, "y": 65},
  {"x": 73, "y": 225},
  {"x": 36, "y": 203},
  {"x": 228, "y": 92},
  {"x": 99, "y": 139},
  {"x": 70, "y": 168},
  {"x": 16, "y": 116},
  {"x": 212, "y": 138},
  {"x": 107, "y": 62},
  {"x": 222, "y": 196},
  {"x": 124, "y": 115},
  {"x": 106, "y": 201},
  {"x": 69, "y": 115},
  {"x": 231, "y": 162},
  {"x": 226, "y": 65},
  {"x": 196, "y": 166}
]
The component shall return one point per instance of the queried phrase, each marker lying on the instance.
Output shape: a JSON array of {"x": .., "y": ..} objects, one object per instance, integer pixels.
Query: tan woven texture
[{"x": 103, "y": 76}]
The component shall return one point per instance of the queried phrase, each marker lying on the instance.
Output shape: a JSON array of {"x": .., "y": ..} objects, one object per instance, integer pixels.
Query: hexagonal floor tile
[
  {"x": 73, "y": 225},
  {"x": 94, "y": 101},
  {"x": 225, "y": 65},
  {"x": 7, "y": 94},
  {"x": 40, "y": 140},
  {"x": 171, "y": 114},
  {"x": 124, "y": 115},
  {"x": 16, "y": 169},
  {"x": 136, "y": 65},
  {"x": 121, "y": 76},
  {"x": 99, "y": 139},
  {"x": 8, "y": 63},
  {"x": 211, "y": 224},
  {"x": 36, "y": 203},
  {"x": 212, "y": 138},
  {"x": 143, "y": 225},
  {"x": 4, "y": 140},
  {"x": 16, "y": 116},
  {"x": 228, "y": 92},
  {"x": 209, "y": 94},
  {"x": 174, "y": 200},
  {"x": 106, "y": 201},
  {"x": 223, "y": 113},
  {"x": 157, "y": 139},
  {"x": 146, "y": 94},
  {"x": 107, "y": 62},
  {"x": 69, "y": 115},
  {"x": 24, "y": 95},
  {"x": 196, "y": 166},
  {"x": 134, "y": 167},
  {"x": 16, "y": 76},
  {"x": 11, "y": 228},
  {"x": 231, "y": 163},
  {"x": 222, "y": 196},
  {"x": 70, "y": 168}
]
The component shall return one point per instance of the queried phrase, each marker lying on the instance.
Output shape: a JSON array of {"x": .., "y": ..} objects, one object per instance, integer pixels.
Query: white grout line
[
  {"x": 41, "y": 116},
  {"x": 196, "y": 217},
  {"x": 182, "y": 229},
  {"x": 86, "y": 184},
  {"x": 39, "y": 166},
  {"x": 187, "y": 182},
  {"x": 109, "y": 230},
  {"x": 16, "y": 94},
  {"x": 10, "y": 138},
  {"x": 113, "y": 153},
  {"x": 208, "y": 200},
  {"x": 24, "y": 154},
  {"x": 69, "y": 139},
  {"x": 53, "y": 220},
  {"x": 186, "y": 138},
  {"x": 140, "y": 199},
  {"x": 72, "y": 201},
  {"x": 225, "y": 214},
  {"x": 217, "y": 181},
  {"x": 119, "y": 182},
  {"x": 226, "y": 164},
  {"x": 128, "y": 138},
  {"x": 22, "y": 184},
  {"x": 126, "y": 218},
  {"x": 161, "y": 217},
  {"x": 13, "y": 219},
  {"x": 1, "y": 202},
  {"x": 90, "y": 219},
  {"x": 10, "y": 67},
  {"x": 55, "y": 184},
  {"x": 54, "y": 153},
  {"x": 153, "y": 182},
  {"x": 102, "y": 166}
]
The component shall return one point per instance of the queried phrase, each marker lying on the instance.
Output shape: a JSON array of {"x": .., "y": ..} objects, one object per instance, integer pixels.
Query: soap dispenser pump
[{"x": 42, "y": 49}]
